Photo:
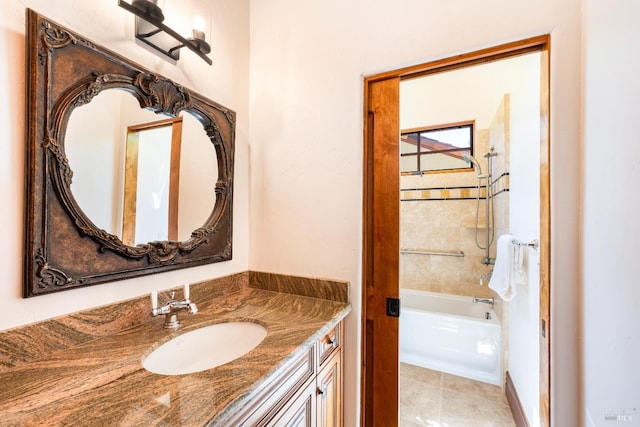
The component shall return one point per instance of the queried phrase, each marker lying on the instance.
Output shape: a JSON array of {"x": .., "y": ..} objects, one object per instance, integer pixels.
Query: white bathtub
[{"x": 451, "y": 334}]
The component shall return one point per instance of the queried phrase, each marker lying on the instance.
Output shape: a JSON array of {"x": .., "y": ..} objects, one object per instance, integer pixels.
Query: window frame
[{"x": 455, "y": 125}]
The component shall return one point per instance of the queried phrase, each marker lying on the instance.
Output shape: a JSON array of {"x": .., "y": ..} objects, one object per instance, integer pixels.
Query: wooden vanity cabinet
[
  {"x": 308, "y": 393},
  {"x": 320, "y": 403},
  {"x": 299, "y": 411},
  {"x": 329, "y": 411},
  {"x": 329, "y": 393}
]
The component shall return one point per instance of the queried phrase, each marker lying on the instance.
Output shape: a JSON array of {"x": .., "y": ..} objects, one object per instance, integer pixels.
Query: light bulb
[{"x": 199, "y": 23}]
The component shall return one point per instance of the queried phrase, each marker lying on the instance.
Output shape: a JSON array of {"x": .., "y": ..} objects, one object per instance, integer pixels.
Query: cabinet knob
[
  {"x": 321, "y": 392},
  {"x": 329, "y": 341}
]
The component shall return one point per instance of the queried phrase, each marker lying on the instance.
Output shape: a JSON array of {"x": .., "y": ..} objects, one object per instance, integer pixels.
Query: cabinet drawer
[
  {"x": 328, "y": 344},
  {"x": 276, "y": 393}
]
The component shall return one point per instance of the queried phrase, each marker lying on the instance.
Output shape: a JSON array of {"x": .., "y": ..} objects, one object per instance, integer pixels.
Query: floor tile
[
  {"x": 457, "y": 404},
  {"x": 433, "y": 399},
  {"x": 476, "y": 388},
  {"x": 421, "y": 374},
  {"x": 416, "y": 394},
  {"x": 414, "y": 417}
]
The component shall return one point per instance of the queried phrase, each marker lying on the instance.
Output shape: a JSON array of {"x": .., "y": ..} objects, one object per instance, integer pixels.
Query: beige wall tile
[{"x": 449, "y": 226}]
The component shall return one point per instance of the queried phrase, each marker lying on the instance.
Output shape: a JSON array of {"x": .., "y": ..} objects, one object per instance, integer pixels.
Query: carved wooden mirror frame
[{"x": 63, "y": 247}]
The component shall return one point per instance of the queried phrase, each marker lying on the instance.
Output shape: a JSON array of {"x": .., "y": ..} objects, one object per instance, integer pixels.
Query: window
[{"x": 436, "y": 148}]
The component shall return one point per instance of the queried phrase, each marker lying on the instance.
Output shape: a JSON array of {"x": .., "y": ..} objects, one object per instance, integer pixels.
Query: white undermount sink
[{"x": 205, "y": 348}]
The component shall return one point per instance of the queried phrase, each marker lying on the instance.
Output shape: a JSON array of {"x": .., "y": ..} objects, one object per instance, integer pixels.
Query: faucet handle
[
  {"x": 154, "y": 299},
  {"x": 193, "y": 308},
  {"x": 172, "y": 295},
  {"x": 186, "y": 291}
]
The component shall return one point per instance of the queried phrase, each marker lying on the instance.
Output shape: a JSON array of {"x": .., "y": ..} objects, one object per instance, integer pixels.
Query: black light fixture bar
[{"x": 148, "y": 26}]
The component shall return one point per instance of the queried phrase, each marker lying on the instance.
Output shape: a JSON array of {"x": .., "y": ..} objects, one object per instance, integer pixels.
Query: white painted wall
[
  {"x": 198, "y": 169},
  {"x": 610, "y": 225},
  {"x": 524, "y": 223},
  {"x": 307, "y": 63},
  {"x": 92, "y": 145},
  {"x": 152, "y": 192},
  {"x": 111, "y": 26},
  {"x": 471, "y": 93}
]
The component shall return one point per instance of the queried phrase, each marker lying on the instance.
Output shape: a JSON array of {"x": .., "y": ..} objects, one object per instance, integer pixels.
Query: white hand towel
[
  {"x": 502, "y": 278},
  {"x": 519, "y": 274}
]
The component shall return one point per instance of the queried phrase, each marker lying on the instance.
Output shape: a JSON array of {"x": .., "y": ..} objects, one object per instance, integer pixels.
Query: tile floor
[{"x": 435, "y": 399}]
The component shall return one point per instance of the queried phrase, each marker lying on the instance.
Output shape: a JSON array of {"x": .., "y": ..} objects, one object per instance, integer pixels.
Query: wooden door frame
[
  {"x": 372, "y": 268},
  {"x": 381, "y": 253}
]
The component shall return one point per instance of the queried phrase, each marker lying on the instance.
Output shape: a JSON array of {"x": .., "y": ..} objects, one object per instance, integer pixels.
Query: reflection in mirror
[
  {"x": 180, "y": 173},
  {"x": 151, "y": 182}
]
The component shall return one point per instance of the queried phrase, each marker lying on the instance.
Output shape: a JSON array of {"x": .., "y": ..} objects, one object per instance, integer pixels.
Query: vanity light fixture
[{"x": 151, "y": 31}]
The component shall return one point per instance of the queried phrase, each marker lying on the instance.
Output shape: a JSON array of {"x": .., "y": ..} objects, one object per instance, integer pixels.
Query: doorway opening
[
  {"x": 383, "y": 238},
  {"x": 152, "y": 182}
]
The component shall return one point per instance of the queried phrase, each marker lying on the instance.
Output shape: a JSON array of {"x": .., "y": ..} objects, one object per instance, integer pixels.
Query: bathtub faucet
[
  {"x": 484, "y": 300},
  {"x": 485, "y": 277}
]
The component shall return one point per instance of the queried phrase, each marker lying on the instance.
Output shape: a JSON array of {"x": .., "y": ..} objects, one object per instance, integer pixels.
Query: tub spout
[{"x": 483, "y": 300}]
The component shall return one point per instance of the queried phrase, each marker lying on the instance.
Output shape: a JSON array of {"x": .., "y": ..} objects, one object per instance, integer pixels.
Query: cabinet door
[
  {"x": 329, "y": 393},
  {"x": 274, "y": 396},
  {"x": 300, "y": 411}
]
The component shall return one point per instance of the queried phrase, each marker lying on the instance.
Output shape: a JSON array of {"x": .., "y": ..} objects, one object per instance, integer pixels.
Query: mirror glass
[{"x": 138, "y": 175}]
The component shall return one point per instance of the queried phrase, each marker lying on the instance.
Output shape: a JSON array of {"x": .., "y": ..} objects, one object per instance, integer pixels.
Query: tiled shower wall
[
  {"x": 449, "y": 226},
  {"x": 499, "y": 135}
]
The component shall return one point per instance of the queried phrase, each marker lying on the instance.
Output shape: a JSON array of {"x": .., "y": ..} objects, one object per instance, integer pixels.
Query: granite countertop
[{"x": 102, "y": 381}]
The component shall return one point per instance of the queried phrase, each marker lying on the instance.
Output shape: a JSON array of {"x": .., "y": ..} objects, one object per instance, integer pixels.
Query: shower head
[{"x": 470, "y": 159}]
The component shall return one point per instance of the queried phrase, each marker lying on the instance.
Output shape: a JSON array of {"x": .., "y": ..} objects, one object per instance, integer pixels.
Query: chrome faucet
[
  {"x": 171, "y": 308},
  {"x": 485, "y": 277},
  {"x": 483, "y": 300}
]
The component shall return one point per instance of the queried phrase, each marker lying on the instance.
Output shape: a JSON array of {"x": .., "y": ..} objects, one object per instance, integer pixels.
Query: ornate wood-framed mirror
[{"x": 75, "y": 170}]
